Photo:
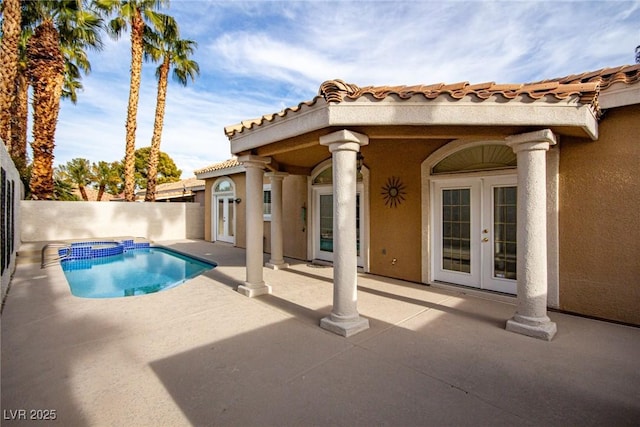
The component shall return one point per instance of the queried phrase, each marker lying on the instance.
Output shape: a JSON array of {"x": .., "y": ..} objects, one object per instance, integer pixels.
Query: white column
[
  {"x": 276, "y": 262},
  {"x": 531, "y": 312},
  {"x": 254, "y": 285},
  {"x": 344, "y": 319}
]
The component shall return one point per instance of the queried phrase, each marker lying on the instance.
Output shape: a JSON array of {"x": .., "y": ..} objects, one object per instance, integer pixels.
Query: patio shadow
[{"x": 287, "y": 373}]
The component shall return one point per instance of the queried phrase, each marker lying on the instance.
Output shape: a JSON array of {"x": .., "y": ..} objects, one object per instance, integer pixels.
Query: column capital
[
  {"x": 344, "y": 140},
  {"x": 276, "y": 175},
  {"x": 253, "y": 161},
  {"x": 531, "y": 141}
]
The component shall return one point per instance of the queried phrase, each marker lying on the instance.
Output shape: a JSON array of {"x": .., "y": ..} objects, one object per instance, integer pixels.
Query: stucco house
[
  {"x": 186, "y": 190},
  {"x": 523, "y": 191}
]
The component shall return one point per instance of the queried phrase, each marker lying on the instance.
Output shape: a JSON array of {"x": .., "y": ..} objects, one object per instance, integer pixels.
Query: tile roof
[
  {"x": 179, "y": 185},
  {"x": 92, "y": 194},
  {"x": 627, "y": 74},
  {"x": 586, "y": 86},
  {"x": 174, "y": 188},
  {"x": 334, "y": 91},
  {"x": 218, "y": 166}
]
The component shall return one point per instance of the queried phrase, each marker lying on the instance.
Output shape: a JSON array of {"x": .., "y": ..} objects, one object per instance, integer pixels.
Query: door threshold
[{"x": 479, "y": 293}]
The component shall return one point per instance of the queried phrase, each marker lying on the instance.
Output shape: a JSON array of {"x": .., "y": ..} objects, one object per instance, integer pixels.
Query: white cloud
[{"x": 257, "y": 58}]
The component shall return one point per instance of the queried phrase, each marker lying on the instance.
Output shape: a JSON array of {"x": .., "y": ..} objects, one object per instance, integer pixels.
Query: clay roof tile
[
  {"x": 227, "y": 164},
  {"x": 586, "y": 86}
]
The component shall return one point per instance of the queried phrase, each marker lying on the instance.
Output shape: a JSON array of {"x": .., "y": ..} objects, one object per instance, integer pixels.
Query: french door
[
  {"x": 225, "y": 218},
  {"x": 474, "y": 238},
  {"x": 323, "y": 224}
]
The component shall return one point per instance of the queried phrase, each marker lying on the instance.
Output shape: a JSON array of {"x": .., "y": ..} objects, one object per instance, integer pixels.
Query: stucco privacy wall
[
  {"x": 50, "y": 220},
  {"x": 10, "y": 195},
  {"x": 600, "y": 220}
]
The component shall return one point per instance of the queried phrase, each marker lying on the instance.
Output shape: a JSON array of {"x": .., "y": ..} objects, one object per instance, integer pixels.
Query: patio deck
[{"x": 202, "y": 354}]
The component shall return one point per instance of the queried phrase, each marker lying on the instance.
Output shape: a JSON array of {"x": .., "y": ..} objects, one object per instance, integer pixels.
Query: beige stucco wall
[
  {"x": 52, "y": 220},
  {"x": 600, "y": 220},
  {"x": 294, "y": 198},
  {"x": 239, "y": 181},
  {"x": 396, "y": 232},
  {"x": 208, "y": 185},
  {"x": 294, "y": 228}
]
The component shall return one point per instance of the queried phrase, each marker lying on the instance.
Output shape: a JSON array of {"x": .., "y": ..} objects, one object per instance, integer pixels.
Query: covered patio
[
  {"x": 345, "y": 120},
  {"x": 203, "y": 354}
]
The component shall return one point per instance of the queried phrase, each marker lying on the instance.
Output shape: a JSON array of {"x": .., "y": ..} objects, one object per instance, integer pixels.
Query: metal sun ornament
[{"x": 393, "y": 192}]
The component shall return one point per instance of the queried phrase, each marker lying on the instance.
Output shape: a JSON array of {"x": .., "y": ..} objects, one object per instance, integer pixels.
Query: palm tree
[
  {"x": 77, "y": 171},
  {"x": 64, "y": 27},
  {"x": 46, "y": 68},
  {"x": 63, "y": 190},
  {"x": 132, "y": 14},
  {"x": 173, "y": 52},
  {"x": 105, "y": 175},
  {"x": 12, "y": 17},
  {"x": 75, "y": 61},
  {"x": 20, "y": 111}
]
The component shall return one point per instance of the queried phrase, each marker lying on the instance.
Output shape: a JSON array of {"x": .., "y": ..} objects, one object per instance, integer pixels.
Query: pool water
[{"x": 134, "y": 272}]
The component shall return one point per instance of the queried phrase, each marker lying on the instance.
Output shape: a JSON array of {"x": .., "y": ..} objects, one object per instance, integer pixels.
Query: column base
[
  {"x": 273, "y": 265},
  {"x": 345, "y": 328},
  {"x": 252, "y": 290},
  {"x": 541, "y": 328}
]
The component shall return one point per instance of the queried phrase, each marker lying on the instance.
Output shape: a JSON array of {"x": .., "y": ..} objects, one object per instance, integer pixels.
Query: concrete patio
[{"x": 202, "y": 354}]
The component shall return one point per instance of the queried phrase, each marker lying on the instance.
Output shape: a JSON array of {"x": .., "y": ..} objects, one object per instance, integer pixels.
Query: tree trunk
[
  {"x": 154, "y": 153},
  {"x": 83, "y": 193},
  {"x": 19, "y": 113},
  {"x": 12, "y": 15},
  {"x": 100, "y": 192},
  {"x": 137, "y": 28},
  {"x": 46, "y": 71}
]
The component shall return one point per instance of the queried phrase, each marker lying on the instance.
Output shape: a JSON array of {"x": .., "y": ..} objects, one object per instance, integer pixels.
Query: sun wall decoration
[{"x": 393, "y": 192}]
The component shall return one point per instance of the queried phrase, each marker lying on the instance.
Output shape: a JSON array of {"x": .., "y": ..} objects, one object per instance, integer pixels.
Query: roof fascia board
[
  {"x": 408, "y": 113},
  {"x": 619, "y": 95},
  {"x": 298, "y": 123},
  {"x": 467, "y": 114}
]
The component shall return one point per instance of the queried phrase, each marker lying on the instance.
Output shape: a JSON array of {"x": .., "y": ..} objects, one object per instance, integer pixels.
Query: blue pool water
[{"x": 134, "y": 272}]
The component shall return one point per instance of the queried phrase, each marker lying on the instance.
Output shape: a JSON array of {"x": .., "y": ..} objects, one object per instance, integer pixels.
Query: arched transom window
[
  {"x": 326, "y": 177},
  {"x": 483, "y": 157},
  {"x": 223, "y": 186}
]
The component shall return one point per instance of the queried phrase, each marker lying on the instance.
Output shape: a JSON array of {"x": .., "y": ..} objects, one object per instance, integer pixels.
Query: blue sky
[{"x": 258, "y": 57}]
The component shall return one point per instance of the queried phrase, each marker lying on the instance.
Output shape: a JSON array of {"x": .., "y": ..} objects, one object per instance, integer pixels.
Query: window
[
  {"x": 485, "y": 157},
  {"x": 223, "y": 186},
  {"x": 326, "y": 177},
  {"x": 266, "y": 202}
]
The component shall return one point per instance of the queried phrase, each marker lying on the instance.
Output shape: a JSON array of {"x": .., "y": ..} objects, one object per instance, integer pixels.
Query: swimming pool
[{"x": 136, "y": 271}]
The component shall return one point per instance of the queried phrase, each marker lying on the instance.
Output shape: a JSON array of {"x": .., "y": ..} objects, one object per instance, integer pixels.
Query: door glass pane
[
  {"x": 231, "y": 208},
  {"x": 266, "y": 202},
  {"x": 326, "y": 222},
  {"x": 504, "y": 232},
  {"x": 456, "y": 230},
  {"x": 220, "y": 230}
]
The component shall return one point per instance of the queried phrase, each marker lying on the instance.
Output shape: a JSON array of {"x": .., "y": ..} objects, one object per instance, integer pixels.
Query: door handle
[{"x": 485, "y": 239}]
